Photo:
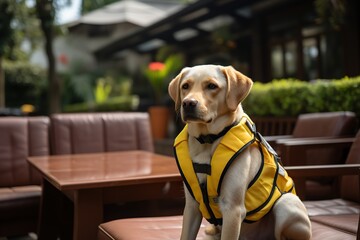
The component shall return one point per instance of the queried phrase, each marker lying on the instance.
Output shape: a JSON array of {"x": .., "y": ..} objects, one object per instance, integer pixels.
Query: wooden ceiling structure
[{"x": 191, "y": 21}]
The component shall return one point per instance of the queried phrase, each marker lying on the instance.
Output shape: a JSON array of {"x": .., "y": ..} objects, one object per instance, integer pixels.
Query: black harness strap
[
  {"x": 211, "y": 138},
  {"x": 202, "y": 168}
]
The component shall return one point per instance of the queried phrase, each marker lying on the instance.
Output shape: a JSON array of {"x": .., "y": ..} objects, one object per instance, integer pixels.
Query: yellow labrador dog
[{"x": 232, "y": 177}]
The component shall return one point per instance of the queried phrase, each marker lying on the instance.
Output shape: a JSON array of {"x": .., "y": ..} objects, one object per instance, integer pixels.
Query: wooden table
[{"x": 92, "y": 180}]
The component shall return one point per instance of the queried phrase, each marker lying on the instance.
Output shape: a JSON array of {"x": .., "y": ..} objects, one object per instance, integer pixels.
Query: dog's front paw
[{"x": 212, "y": 233}]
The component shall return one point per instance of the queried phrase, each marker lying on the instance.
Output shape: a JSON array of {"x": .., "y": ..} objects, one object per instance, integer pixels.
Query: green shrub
[
  {"x": 24, "y": 84},
  {"x": 291, "y": 97},
  {"x": 121, "y": 103}
]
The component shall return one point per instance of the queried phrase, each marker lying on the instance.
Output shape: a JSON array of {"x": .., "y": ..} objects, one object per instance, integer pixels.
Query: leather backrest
[
  {"x": 328, "y": 124},
  {"x": 21, "y": 137},
  {"x": 100, "y": 132},
  {"x": 350, "y": 184}
]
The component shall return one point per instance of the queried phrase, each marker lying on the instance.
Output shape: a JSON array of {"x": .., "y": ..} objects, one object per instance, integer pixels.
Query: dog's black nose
[{"x": 189, "y": 103}]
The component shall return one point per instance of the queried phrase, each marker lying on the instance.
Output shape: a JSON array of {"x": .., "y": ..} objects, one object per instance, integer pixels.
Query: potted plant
[{"x": 159, "y": 75}]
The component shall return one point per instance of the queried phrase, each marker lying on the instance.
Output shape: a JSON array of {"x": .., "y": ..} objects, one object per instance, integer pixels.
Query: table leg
[
  {"x": 88, "y": 213},
  {"x": 49, "y": 219}
]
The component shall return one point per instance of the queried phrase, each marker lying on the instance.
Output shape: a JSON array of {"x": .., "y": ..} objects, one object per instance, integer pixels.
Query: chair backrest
[
  {"x": 329, "y": 124},
  {"x": 272, "y": 126},
  {"x": 350, "y": 184},
  {"x": 21, "y": 137},
  {"x": 100, "y": 132}
]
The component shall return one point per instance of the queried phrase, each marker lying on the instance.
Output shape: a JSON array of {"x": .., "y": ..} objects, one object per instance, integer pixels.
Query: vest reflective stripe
[{"x": 270, "y": 182}]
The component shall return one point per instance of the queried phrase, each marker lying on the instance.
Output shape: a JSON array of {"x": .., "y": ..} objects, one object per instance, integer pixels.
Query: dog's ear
[
  {"x": 174, "y": 89},
  {"x": 238, "y": 87}
]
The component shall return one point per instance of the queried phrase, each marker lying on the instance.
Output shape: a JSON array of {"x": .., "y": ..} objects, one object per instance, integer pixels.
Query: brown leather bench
[
  {"x": 20, "y": 189},
  {"x": 331, "y": 219},
  {"x": 100, "y": 132}
]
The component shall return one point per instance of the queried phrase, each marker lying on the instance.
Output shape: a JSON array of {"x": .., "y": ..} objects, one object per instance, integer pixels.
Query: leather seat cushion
[
  {"x": 331, "y": 207},
  {"x": 320, "y": 231},
  {"x": 155, "y": 228},
  {"x": 347, "y": 223},
  {"x": 170, "y": 228},
  {"x": 22, "y": 201}
]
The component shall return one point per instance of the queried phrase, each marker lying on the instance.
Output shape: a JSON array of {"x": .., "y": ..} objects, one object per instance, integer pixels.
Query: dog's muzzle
[{"x": 189, "y": 107}]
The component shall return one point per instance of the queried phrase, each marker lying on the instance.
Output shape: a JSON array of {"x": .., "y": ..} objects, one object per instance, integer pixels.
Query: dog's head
[{"x": 203, "y": 93}]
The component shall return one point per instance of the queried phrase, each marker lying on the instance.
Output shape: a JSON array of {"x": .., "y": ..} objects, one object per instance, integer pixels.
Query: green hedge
[
  {"x": 24, "y": 84},
  {"x": 121, "y": 103},
  {"x": 291, "y": 97}
]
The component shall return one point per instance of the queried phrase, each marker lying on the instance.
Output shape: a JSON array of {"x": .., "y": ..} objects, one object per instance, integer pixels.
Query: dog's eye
[
  {"x": 185, "y": 86},
  {"x": 212, "y": 86}
]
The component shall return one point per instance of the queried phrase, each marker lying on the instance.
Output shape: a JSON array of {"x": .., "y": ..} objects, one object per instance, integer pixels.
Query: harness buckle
[
  {"x": 251, "y": 126},
  {"x": 268, "y": 146}
]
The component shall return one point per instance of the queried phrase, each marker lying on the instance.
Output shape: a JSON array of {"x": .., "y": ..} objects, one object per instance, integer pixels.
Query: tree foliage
[
  {"x": 17, "y": 22},
  {"x": 7, "y": 10}
]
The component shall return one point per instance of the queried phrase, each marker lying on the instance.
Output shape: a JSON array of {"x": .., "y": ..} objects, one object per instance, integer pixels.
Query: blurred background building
[{"x": 104, "y": 53}]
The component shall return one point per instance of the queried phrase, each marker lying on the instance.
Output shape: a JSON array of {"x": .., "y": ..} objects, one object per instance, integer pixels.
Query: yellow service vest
[{"x": 269, "y": 184}]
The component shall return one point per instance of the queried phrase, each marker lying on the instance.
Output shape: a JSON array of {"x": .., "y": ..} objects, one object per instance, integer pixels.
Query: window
[
  {"x": 277, "y": 61},
  {"x": 303, "y": 57},
  {"x": 311, "y": 58},
  {"x": 100, "y": 30},
  {"x": 291, "y": 59},
  {"x": 284, "y": 59}
]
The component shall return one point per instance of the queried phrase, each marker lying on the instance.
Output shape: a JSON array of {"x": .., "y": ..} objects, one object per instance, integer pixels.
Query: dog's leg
[
  {"x": 232, "y": 197},
  {"x": 191, "y": 219},
  {"x": 291, "y": 219},
  {"x": 232, "y": 219}
]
